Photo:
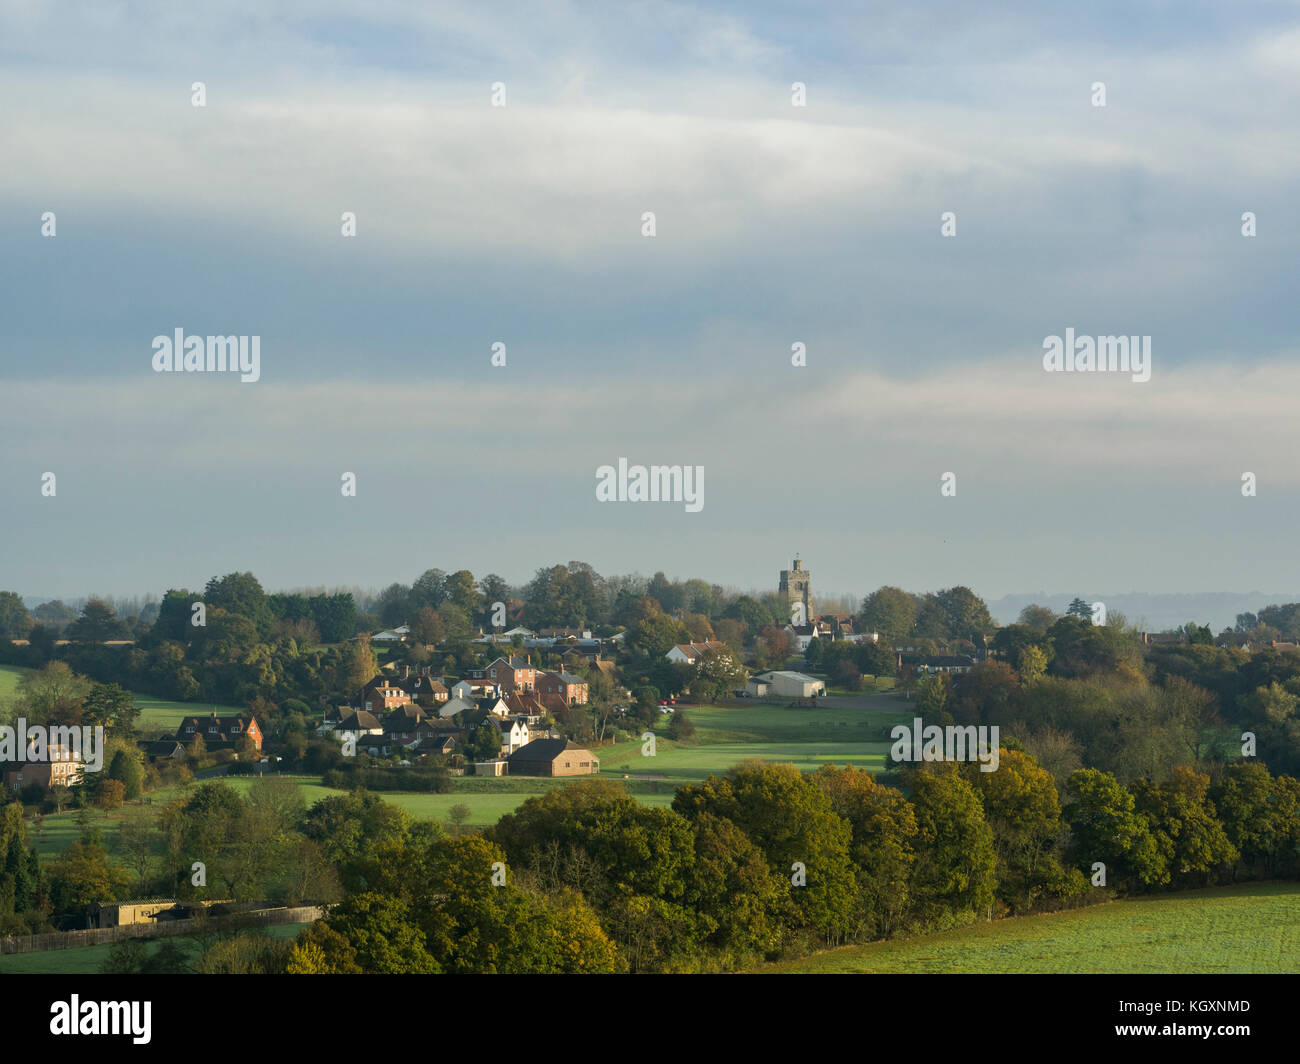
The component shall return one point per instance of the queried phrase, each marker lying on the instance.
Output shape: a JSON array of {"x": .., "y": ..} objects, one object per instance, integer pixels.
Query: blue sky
[{"x": 775, "y": 224}]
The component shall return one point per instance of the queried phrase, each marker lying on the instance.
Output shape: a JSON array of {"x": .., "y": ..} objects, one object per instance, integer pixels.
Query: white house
[
  {"x": 800, "y": 635},
  {"x": 462, "y": 690},
  {"x": 514, "y": 735},
  {"x": 690, "y": 653},
  {"x": 792, "y": 684},
  {"x": 392, "y": 635}
]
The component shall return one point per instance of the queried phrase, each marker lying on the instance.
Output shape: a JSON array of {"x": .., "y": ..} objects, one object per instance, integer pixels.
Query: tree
[
  {"x": 429, "y": 589},
  {"x": 1023, "y": 811},
  {"x": 955, "y": 871},
  {"x": 790, "y": 820},
  {"x": 52, "y": 693},
  {"x": 891, "y": 612},
  {"x": 135, "y": 841},
  {"x": 884, "y": 830},
  {"x": 1038, "y": 618},
  {"x": 98, "y": 622},
  {"x": 127, "y": 770},
  {"x": 110, "y": 793},
  {"x": 485, "y": 743},
  {"x": 1033, "y": 665},
  {"x": 1079, "y": 608},
  {"x": 428, "y": 627},
  {"x": 1107, "y": 829},
  {"x": 458, "y": 814},
  {"x": 462, "y": 590},
  {"x": 83, "y": 878},
  {"x": 112, "y": 706},
  {"x": 493, "y": 589},
  {"x": 240, "y": 594},
  {"x": 15, "y": 621}
]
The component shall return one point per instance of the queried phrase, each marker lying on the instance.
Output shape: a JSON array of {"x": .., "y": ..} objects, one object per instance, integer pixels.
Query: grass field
[
  {"x": 846, "y": 731},
  {"x": 1240, "y": 929},
  {"x": 86, "y": 960}
]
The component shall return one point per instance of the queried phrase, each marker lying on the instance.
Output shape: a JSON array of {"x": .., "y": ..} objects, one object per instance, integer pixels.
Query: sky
[{"x": 775, "y": 225}]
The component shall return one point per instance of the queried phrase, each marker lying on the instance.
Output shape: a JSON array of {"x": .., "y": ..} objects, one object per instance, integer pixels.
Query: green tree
[
  {"x": 891, "y": 612},
  {"x": 955, "y": 871},
  {"x": 15, "y": 621}
]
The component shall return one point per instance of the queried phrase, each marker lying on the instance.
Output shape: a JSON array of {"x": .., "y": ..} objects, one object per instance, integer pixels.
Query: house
[
  {"x": 527, "y": 705},
  {"x": 572, "y": 689},
  {"x": 456, "y": 705},
  {"x": 945, "y": 663},
  {"x": 392, "y": 635},
  {"x": 506, "y": 636},
  {"x": 165, "y": 750},
  {"x": 516, "y": 674},
  {"x": 493, "y": 707},
  {"x": 514, "y": 734},
  {"x": 792, "y": 684},
  {"x": 462, "y": 690},
  {"x": 216, "y": 729},
  {"x": 355, "y": 722},
  {"x": 62, "y": 768},
  {"x": 800, "y": 635},
  {"x": 553, "y": 757},
  {"x": 400, "y": 724},
  {"x": 382, "y": 695},
  {"x": 421, "y": 686},
  {"x": 690, "y": 653}
]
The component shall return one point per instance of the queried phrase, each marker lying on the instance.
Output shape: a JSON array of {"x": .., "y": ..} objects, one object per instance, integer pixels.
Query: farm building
[
  {"x": 553, "y": 757},
  {"x": 791, "y": 684}
]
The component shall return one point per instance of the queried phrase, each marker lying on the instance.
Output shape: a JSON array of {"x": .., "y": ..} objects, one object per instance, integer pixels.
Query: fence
[{"x": 97, "y": 936}]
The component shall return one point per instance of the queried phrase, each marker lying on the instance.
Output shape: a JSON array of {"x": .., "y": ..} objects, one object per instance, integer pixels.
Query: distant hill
[{"x": 1218, "y": 609}]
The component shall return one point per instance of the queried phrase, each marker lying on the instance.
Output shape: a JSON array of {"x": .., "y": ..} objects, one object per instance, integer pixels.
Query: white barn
[{"x": 792, "y": 684}]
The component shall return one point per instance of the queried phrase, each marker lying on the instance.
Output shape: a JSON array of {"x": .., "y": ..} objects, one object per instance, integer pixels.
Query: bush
[{"x": 110, "y": 794}]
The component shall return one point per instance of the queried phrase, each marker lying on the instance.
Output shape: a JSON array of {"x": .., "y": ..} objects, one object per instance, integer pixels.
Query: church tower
[{"x": 796, "y": 585}]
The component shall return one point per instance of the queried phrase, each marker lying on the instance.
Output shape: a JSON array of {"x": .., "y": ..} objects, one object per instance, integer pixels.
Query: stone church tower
[{"x": 796, "y": 585}]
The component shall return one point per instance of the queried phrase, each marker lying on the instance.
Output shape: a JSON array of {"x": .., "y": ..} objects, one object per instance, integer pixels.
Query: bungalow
[
  {"x": 553, "y": 757},
  {"x": 690, "y": 653},
  {"x": 392, "y": 635},
  {"x": 945, "y": 663}
]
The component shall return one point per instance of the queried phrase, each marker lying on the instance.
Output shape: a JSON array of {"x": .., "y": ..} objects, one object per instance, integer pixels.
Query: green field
[
  {"x": 86, "y": 960},
  {"x": 9, "y": 675},
  {"x": 1240, "y": 929},
  {"x": 847, "y": 731}
]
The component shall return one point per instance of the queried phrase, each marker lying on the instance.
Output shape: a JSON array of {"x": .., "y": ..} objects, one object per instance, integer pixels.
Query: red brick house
[
  {"x": 216, "y": 729},
  {"x": 517, "y": 674},
  {"x": 572, "y": 689}
]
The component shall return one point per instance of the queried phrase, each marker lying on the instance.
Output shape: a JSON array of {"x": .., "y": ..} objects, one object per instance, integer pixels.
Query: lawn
[
  {"x": 1240, "y": 929},
  {"x": 86, "y": 960}
]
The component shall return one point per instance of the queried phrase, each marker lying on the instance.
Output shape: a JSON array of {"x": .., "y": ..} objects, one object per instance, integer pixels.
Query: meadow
[{"x": 1248, "y": 928}]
